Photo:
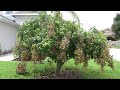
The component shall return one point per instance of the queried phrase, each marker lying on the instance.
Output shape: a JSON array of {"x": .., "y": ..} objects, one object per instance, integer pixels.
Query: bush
[
  {"x": 21, "y": 68},
  {"x": 52, "y": 36}
]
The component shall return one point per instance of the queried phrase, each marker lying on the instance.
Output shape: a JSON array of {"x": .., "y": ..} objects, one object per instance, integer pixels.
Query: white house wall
[
  {"x": 7, "y": 36},
  {"x": 21, "y": 19}
]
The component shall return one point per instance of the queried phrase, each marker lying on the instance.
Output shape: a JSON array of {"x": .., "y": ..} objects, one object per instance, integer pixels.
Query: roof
[
  {"x": 109, "y": 33},
  {"x": 8, "y": 21},
  {"x": 22, "y": 12},
  {"x": 25, "y": 13}
]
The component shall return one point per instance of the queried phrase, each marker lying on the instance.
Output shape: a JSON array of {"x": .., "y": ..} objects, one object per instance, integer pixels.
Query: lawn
[
  {"x": 118, "y": 47},
  {"x": 8, "y": 70}
]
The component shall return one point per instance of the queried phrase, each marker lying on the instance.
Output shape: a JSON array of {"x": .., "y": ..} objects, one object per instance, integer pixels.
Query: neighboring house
[
  {"x": 109, "y": 34},
  {"x": 8, "y": 30}
]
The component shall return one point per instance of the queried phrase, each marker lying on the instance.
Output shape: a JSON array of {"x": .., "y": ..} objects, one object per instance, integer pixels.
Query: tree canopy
[
  {"x": 52, "y": 36},
  {"x": 116, "y": 26}
]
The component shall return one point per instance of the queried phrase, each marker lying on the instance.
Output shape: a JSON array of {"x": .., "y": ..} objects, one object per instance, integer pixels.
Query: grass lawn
[
  {"x": 118, "y": 47},
  {"x": 8, "y": 70}
]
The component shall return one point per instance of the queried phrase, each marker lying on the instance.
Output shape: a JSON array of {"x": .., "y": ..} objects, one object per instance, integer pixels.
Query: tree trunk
[{"x": 59, "y": 65}]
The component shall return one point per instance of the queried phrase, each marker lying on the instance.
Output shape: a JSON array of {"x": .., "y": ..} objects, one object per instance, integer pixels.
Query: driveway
[
  {"x": 113, "y": 51},
  {"x": 7, "y": 57},
  {"x": 116, "y": 53}
]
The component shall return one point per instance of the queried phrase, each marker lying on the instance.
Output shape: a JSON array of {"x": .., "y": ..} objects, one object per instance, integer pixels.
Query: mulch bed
[{"x": 66, "y": 74}]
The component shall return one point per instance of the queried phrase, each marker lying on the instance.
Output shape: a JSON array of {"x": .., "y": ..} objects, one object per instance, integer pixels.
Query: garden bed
[{"x": 64, "y": 74}]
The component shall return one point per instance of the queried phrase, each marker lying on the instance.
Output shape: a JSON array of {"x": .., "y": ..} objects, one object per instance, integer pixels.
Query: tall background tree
[{"x": 116, "y": 26}]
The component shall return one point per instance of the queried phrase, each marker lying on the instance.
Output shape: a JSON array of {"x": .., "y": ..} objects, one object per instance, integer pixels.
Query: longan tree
[{"x": 52, "y": 36}]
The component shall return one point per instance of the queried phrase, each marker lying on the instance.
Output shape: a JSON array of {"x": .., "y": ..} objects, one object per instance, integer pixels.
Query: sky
[{"x": 100, "y": 19}]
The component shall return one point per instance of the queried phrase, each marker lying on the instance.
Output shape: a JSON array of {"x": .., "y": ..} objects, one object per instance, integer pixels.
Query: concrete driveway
[
  {"x": 116, "y": 53},
  {"x": 7, "y": 57},
  {"x": 113, "y": 51}
]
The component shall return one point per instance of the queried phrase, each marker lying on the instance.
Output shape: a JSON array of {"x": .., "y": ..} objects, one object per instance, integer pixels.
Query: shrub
[
  {"x": 52, "y": 36},
  {"x": 21, "y": 68}
]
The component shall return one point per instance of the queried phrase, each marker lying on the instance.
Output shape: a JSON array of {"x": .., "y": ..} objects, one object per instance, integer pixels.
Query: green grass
[
  {"x": 94, "y": 71},
  {"x": 8, "y": 70},
  {"x": 118, "y": 47}
]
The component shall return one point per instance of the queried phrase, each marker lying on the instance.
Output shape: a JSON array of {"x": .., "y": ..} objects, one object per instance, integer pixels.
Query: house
[
  {"x": 109, "y": 34},
  {"x": 9, "y": 24},
  {"x": 8, "y": 30},
  {"x": 22, "y": 16}
]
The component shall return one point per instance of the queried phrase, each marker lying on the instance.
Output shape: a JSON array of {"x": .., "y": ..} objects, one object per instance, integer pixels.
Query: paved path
[{"x": 113, "y": 51}]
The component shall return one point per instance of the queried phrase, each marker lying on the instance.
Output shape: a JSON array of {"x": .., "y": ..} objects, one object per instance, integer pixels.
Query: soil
[{"x": 66, "y": 74}]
